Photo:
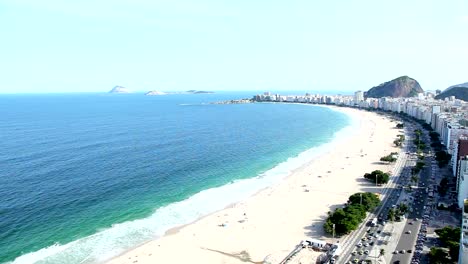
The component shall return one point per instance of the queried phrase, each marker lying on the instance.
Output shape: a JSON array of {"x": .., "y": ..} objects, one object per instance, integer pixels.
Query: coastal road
[
  {"x": 391, "y": 198},
  {"x": 390, "y": 190},
  {"x": 408, "y": 241}
]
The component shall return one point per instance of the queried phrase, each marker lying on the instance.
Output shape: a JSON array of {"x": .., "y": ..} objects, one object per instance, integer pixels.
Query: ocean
[{"x": 84, "y": 177}]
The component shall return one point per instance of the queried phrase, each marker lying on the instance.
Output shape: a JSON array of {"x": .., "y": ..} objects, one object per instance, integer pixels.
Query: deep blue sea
[{"x": 84, "y": 177}]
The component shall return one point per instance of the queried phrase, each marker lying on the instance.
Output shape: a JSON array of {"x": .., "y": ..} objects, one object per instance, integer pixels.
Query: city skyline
[{"x": 92, "y": 46}]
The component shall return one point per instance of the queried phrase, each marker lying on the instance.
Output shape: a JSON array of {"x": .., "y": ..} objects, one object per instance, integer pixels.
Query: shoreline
[
  {"x": 325, "y": 148},
  {"x": 140, "y": 255},
  {"x": 176, "y": 229}
]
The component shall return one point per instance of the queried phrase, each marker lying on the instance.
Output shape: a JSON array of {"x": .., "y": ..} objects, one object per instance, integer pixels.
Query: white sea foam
[{"x": 121, "y": 237}]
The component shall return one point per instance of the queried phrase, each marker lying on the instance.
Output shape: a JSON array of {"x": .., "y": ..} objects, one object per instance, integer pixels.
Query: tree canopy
[
  {"x": 348, "y": 218},
  {"x": 381, "y": 176},
  {"x": 450, "y": 237},
  {"x": 438, "y": 256},
  {"x": 388, "y": 158},
  {"x": 443, "y": 186},
  {"x": 443, "y": 158},
  {"x": 369, "y": 200}
]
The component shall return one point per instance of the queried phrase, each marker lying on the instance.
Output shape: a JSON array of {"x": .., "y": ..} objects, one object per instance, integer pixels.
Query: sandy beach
[{"x": 270, "y": 223}]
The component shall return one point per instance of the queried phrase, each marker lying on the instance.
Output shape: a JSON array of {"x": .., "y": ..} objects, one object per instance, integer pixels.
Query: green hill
[{"x": 460, "y": 91}]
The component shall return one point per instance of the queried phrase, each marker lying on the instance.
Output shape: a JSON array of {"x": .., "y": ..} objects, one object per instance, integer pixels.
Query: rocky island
[
  {"x": 198, "y": 92},
  {"x": 154, "y": 92},
  {"x": 120, "y": 89}
]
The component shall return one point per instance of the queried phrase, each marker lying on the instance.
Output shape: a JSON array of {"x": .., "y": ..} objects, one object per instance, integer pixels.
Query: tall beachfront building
[
  {"x": 463, "y": 255},
  {"x": 358, "y": 97},
  {"x": 462, "y": 181}
]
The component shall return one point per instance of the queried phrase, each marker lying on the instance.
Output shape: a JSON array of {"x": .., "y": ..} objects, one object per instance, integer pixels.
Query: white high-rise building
[
  {"x": 462, "y": 179},
  {"x": 358, "y": 97},
  {"x": 463, "y": 255}
]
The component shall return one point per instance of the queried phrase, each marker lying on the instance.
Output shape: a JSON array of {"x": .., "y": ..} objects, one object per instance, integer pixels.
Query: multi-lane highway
[
  {"x": 418, "y": 217},
  {"x": 362, "y": 241}
]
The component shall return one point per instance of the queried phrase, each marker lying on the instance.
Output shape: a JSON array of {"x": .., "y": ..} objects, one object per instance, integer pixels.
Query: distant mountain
[
  {"x": 460, "y": 91},
  {"x": 154, "y": 92},
  {"x": 120, "y": 89},
  {"x": 403, "y": 86}
]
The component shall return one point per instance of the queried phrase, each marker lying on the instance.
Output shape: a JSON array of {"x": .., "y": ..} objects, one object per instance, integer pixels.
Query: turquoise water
[{"x": 86, "y": 176}]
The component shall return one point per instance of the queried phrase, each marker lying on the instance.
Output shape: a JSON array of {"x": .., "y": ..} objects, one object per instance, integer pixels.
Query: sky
[{"x": 175, "y": 45}]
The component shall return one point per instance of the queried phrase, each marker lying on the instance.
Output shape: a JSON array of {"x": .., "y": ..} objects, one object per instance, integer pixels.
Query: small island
[
  {"x": 198, "y": 92},
  {"x": 120, "y": 90},
  {"x": 154, "y": 92}
]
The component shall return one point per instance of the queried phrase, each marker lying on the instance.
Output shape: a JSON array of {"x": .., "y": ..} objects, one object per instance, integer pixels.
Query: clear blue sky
[{"x": 92, "y": 45}]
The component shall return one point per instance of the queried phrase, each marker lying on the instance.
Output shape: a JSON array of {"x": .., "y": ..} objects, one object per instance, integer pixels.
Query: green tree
[
  {"x": 348, "y": 218},
  {"x": 382, "y": 252},
  {"x": 448, "y": 233},
  {"x": 369, "y": 200},
  {"x": 454, "y": 249},
  {"x": 391, "y": 214},
  {"x": 438, "y": 256},
  {"x": 443, "y": 186},
  {"x": 420, "y": 164},
  {"x": 388, "y": 158},
  {"x": 450, "y": 236},
  {"x": 442, "y": 158},
  {"x": 402, "y": 209},
  {"x": 377, "y": 176}
]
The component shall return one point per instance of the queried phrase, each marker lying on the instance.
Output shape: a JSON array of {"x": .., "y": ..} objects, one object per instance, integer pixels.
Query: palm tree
[
  {"x": 382, "y": 252},
  {"x": 391, "y": 214}
]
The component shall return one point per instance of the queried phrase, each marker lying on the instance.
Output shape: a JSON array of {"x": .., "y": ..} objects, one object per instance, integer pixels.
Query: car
[
  {"x": 366, "y": 244},
  {"x": 354, "y": 253},
  {"x": 395, "y": 252},
  {"x": 360, "y": 252},
  {"x": 409, "y": 251},
  {"x": 410, "y": 223},
  {"x": 364, "y": 239},
  {"x": 402, "y": 252},
  {"x": 366, "y": 252},
  {"x": 408, "y": 232},
  {"x": 355, "y": 260},
  {"x": 359, "y": 244}
]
